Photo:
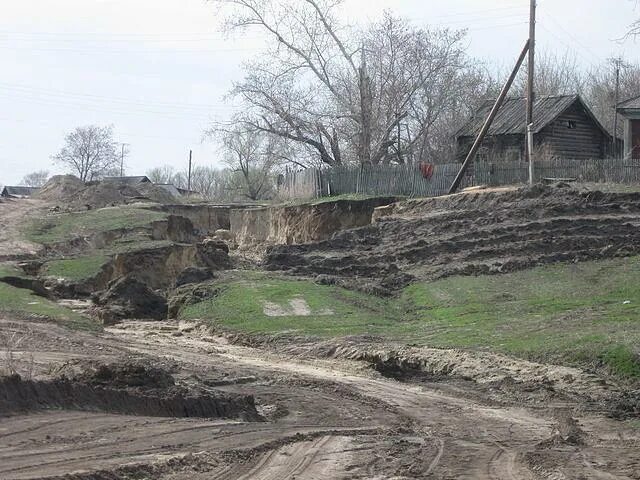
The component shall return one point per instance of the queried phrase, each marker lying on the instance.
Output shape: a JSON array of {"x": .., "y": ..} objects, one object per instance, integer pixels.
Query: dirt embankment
[
  {"x": 206, "y": 219},
  {"x": 471, "y": 234},
  {"x": 258, "y": 227},
  {"x": 129, "y": 389}
]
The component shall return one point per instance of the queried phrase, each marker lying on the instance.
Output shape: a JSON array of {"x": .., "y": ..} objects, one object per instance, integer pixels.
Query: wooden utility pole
[
  {"x": 617, "y": 63},
  {"x": 530, "y": 86},
  {"x": 489, "y": 121},
  {"x": 189, "y": 176},
  {"x": 122, "y": 159}
]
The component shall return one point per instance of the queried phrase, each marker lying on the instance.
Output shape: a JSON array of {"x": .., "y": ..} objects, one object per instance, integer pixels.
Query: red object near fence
[{"x": 426, "y": 169}]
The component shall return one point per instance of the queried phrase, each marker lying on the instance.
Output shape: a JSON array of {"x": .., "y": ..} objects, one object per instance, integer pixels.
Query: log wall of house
[
  {"x": 573, "y": 135},
  {"x": 499, "y": 147}
]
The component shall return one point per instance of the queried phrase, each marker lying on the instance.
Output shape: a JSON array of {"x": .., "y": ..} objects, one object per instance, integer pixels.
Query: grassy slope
[
  {"x": 24, "y": 302},
  {"x": 58, "y": 228},
  {"x": 240, "y": 305},
  {"x": 574, "y": 314},
  {"x": 89, "y": 265}
]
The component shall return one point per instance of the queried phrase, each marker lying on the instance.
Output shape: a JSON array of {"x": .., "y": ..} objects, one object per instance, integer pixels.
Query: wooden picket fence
[{"x": 409, "y": 181}]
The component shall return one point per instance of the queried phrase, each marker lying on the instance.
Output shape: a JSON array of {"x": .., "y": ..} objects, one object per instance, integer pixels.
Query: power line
[
  {"x": 577, "y": 42},
  {"x": 92, "y": 97},
  {"x": 561, "y": 40}
]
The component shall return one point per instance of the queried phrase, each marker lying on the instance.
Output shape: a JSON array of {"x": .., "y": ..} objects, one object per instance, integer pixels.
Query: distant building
[
  {"x": 563, "y": 127},
  {"x": 630, "y": 111},
  {"x": 128, "y": 180},
  {"x": 18, "y": 192}
]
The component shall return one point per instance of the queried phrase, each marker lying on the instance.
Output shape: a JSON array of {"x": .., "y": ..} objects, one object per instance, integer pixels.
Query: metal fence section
[{"x": 411, "y": 180}]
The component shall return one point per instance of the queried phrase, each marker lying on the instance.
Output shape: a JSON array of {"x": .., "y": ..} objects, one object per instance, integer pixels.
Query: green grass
[
  {"x": 24, "y": 302},
  {"x": 240, "y": 305},
  {"x": 89, "y": 265},
  {"x": 78, "y": 268},
  {"x": 571, "y": 314},
  {"x": 8, "y": 270},
  {"x": 62, "y": 227}
]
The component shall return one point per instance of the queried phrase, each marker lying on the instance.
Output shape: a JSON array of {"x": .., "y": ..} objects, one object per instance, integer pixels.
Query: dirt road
[
  {"x": 321, "y": 419},
  {"x": 12, "y": 215}
]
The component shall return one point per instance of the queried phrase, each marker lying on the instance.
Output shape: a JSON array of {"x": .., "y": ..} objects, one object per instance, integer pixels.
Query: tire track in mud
[
  {"x": 445, "y": 419},
  {"x": 298, "y": 460}
]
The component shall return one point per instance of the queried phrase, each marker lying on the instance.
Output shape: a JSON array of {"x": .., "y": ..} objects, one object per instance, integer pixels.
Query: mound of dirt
[
  {"x": 123, "y": 390},
  {"x": 128, "y": 297},
  {"x": 471, "y": 234},
  {"x": 74, "y": 193},
  {"x": 126, "y": 374},
  {"x": 60, "y": 187}
]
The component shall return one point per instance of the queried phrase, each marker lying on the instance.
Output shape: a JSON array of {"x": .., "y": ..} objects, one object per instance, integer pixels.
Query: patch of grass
[
  {"x": 334, "y": 311},
  {"x": 579, "y": 314},
  {"x": 65, "y": 226},
  {"x": 24, "y": 302},
  {"x": 8, "y": 270},
  {"x": 584, "y": 314},
  {"x": 78, "y": 268},
  {"x": 622, "y": 361}
]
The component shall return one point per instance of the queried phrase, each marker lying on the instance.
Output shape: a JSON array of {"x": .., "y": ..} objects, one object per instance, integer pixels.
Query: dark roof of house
[
  {"x": 511, "y": 118},
  {"x": 19, "y": 191},
  {"x": 171, "y": 188},
  {"x": 185, "y": 191},
  {"x": 630, "y": 104},
  {"x": 128, "y": 180}
]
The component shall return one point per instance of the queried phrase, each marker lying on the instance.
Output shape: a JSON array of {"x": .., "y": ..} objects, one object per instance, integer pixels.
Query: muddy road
[{"x": 318, "y": 419}]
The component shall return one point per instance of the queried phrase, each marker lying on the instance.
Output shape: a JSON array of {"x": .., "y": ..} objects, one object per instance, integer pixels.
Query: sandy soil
[{"x": 325, "y": 418}]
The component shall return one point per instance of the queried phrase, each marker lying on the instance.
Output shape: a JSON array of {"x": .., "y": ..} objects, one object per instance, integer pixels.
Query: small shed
[
  {"x": 630, "y": 112},
  {"x": 132, "y": 181},
  {"x": 564, "y": 127},
  {"x": 18, "y": 192},
  {"x": 171, "y": 188}
]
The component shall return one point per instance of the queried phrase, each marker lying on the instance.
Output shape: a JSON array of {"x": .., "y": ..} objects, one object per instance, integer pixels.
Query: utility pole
[
  {"x": 530, "y": 85},
  {"x": 122, "y": 159},
  {"x": 617, "y": 62},
  {"x": 189, "y": 177},
  {"x": 487, "y": 124}
]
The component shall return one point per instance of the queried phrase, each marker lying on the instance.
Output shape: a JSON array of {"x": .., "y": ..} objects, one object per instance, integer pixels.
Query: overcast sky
[{"x": 158, "y": 70}]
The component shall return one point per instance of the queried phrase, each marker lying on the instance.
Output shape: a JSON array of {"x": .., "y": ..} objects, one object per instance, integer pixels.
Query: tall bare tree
[
  {"x": 252, "y": 157},
  {"x": 557, "y": 73},
  {"x": 35, "y": 179},
  {"x": 339, "y": 92},
  {"x": 90, "y": 152}
]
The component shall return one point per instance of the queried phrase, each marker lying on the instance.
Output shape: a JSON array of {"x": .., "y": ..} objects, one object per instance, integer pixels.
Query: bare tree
[
  {"x": 35, "y": 179},
  {"x": 600, "y": 91},
  {"x": 333, "y": 90},
  {"x": 90, "y": 152},
  {"x": 556, "y": 74},
  {"x": 162, "y": 175},
  {"x": 212, "y": 183},
  {"x": 252, "y": 157}
]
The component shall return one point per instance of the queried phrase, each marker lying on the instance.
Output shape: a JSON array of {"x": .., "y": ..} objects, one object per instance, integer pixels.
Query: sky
[{"x": 159, "y": 70}]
